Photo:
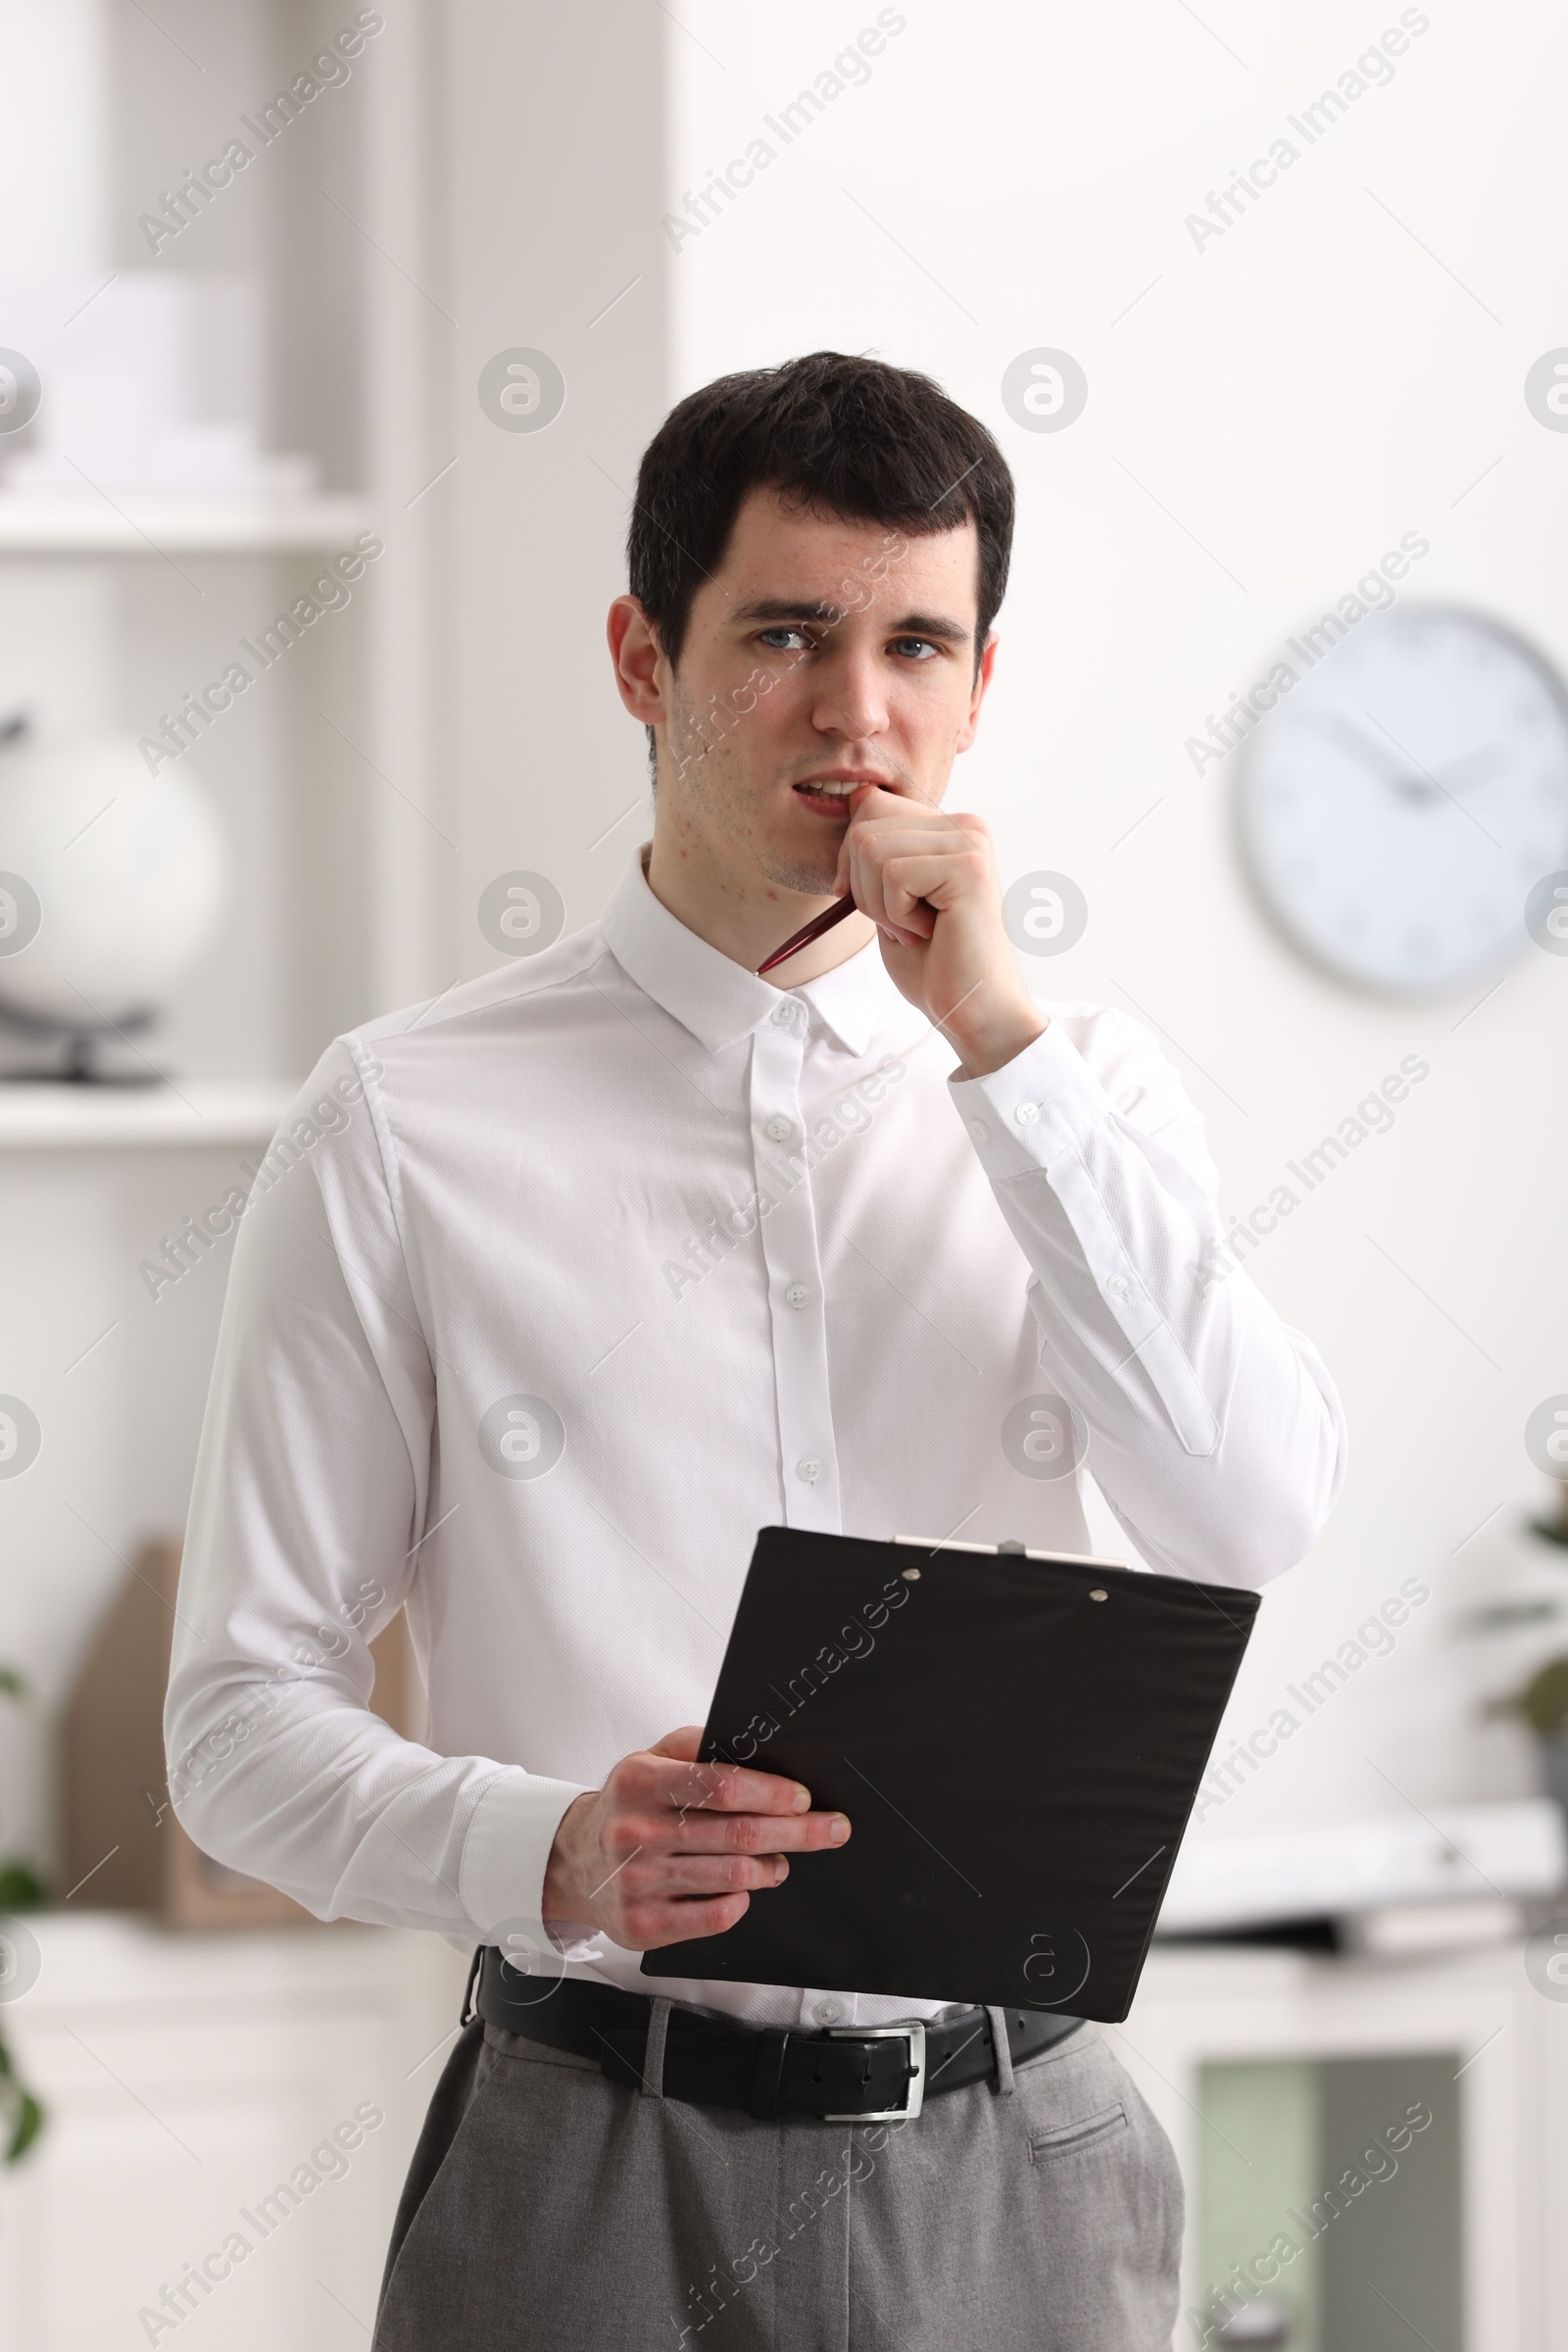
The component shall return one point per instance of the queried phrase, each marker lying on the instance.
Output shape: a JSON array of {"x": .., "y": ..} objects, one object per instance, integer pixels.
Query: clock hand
[
  {"x": 1487, "y": 754},
  {"x": 1360, "y": 746},
  {"x": 1420, "y": 786},
  {"x": 1425, "y": 786},
  {"x": 1405, "y": 781}
]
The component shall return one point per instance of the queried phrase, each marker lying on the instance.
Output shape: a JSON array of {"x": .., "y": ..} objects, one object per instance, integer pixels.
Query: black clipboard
[{"x": 904, "y": 1682}]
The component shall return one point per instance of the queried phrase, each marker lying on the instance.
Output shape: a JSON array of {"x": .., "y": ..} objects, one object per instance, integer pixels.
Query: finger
[
  {"x": 684, "y": 1744},
  {"x": 863, "y": 881},
  {"x": 859, "y": 798},
  {"x": 894, "y": 809},
  {"x": 872, "y": 843},
  {"x": 924, "y": 881},
  {"x": 866, "y": 881},
  {"x": 919, "y": 824},
  {"x": 873, "y": 848},
  {"x": 664, "y": 1877},
  {"x": 906, "y": 908},
  {"x": 654, "y": 1925},
  {"x": 872, "y": 851},
  {"x": 894, "y": 817},
  {"x": 705, "y": 1833},
  {"x": 709, "y": 1787},
  {"x": 863, "y": 871},
  {"x": 875, "y": 802}
]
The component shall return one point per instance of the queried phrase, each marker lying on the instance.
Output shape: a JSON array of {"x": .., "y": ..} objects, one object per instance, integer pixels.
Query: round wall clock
[{"x": 1402, "y": 799}]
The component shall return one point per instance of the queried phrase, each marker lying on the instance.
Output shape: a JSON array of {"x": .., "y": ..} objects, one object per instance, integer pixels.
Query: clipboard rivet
[
  {"x": 1099, "y": 1593},
  {"x": 910, "y": 1575}
]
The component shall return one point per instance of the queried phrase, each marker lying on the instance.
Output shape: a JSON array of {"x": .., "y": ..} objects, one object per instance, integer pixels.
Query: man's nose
[{"x": 851, "y": 700}]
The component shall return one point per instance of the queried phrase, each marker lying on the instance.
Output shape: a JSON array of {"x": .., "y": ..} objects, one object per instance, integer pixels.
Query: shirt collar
[{"x": 719, "y": 1000}]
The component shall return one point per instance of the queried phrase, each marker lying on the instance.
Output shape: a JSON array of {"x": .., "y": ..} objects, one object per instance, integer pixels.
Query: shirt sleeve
[
  {"x": 310, "y": 1491},
  {"x": 1214, "y": 1430}
]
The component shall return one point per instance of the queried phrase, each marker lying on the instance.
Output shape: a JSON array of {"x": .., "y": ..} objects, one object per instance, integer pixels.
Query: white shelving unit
[
  {"x": 114, "y": 1119},
  {"x": 1504, "y": 2049},
  {"x": 115, "y": 602},
  {"x": 125, "y": 523},
  {"x": 185, "y": 2076}
]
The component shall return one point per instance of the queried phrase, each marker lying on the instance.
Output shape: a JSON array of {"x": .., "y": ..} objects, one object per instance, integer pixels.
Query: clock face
[{"x": 1400, "y": 801}]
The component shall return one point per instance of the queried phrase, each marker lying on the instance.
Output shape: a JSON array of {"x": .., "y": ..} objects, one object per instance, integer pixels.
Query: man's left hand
[{"x": 928, "y": 881}]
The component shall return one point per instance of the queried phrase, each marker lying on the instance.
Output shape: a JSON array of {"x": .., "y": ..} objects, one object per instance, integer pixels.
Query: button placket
[{"x": 791, "y": 1253}]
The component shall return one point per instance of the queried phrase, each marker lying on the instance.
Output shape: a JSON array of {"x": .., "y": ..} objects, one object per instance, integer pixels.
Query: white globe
[{"x": 122, "y": 878}]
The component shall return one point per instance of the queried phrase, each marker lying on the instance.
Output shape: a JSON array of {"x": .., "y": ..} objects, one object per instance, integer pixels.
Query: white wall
[
  {"x": 556, "y": 137},
  {"x": 53, "y": 151},
  {"x": 1297, "y": 394}
]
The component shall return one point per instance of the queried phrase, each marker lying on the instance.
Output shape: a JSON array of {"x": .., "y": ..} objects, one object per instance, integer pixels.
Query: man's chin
[{"x": 812, "y": 877}]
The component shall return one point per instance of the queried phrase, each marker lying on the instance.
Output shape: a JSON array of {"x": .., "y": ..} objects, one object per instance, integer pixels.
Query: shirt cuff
[
  {"x": 1035, "y": 1109},
  {"x": 575, "y": 1939},
  {"x": 501, "y": 1881}
]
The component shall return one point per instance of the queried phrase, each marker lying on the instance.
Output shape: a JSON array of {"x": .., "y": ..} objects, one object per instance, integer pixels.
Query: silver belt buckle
[{"x": 915, "y": 2088}]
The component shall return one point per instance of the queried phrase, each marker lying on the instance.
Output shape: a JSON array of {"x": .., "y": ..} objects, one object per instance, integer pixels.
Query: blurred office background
[{"x": 391, "y": 373}]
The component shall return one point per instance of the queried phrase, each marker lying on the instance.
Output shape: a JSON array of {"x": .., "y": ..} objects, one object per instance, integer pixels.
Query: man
[{"x": 624, "y": 1253}]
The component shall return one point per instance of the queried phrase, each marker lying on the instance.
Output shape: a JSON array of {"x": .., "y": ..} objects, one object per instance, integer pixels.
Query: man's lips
[{"x": 832, "y": 794}]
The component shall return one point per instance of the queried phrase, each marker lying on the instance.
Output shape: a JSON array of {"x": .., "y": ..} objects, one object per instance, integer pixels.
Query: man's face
[{"x": 821, "y": 654}]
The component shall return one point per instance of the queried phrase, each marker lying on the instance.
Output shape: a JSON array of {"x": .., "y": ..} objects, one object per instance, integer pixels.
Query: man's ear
[
  {"x": 982, "y": 680},
  {"x": 635, "y": 652}
]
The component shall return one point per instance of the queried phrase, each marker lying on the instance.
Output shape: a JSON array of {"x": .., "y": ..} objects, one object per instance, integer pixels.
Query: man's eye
[
  {"x": 920, "y": 649},
  {"x": 783, "y": 640}
]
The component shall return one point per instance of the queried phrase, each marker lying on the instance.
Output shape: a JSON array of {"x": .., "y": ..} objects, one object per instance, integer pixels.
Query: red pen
[{"x": 815, "y": 929}]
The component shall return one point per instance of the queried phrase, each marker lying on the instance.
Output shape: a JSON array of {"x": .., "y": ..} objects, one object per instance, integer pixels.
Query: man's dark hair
[{"x": 850, "y": 437}]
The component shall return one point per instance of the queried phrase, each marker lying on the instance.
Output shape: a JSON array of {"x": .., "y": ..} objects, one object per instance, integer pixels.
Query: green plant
[
  {"x": 1555, "y": 1531},
  {"x": 21, "y": 1890},
  {"x": 1543, "y": 1703},
  {"x": 21, "y": 2116}
]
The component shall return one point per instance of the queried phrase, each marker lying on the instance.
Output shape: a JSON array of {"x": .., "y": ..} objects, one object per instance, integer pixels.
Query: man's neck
[{"x": 743, "y": 914}]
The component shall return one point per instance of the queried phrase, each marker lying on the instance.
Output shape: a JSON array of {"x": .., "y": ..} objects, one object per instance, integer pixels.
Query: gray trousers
[{"x": 548, "y": 2210}]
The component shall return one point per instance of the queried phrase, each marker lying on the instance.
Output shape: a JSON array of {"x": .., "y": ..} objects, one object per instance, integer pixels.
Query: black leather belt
[{"x": 846, "y": 2073}]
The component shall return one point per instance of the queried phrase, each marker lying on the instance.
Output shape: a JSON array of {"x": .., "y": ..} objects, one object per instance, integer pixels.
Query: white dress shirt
[{"x": 556, "y": 1290}]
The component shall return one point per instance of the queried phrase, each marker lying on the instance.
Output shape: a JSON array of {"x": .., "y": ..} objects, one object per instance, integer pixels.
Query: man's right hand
[{"x": 669, "y": 1849}]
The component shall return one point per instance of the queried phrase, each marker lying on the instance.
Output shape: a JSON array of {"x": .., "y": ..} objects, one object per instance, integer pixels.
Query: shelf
[
  {"x": 65, "y": 1117},
  {"x": 71, "y": 523},
  {"x": 1508, "y": 1848}
]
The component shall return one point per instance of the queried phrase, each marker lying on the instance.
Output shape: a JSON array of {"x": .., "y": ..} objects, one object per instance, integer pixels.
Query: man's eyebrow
[
  {"x": 930, "y": 624},
  {"x": 821, "y": 614},
  {"x": 788, "y": 608}
]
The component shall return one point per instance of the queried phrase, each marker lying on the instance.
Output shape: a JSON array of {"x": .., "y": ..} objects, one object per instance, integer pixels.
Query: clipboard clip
[
  {"x": 913, "y": 2033},
  {"x": 1076, "y": 1559}
]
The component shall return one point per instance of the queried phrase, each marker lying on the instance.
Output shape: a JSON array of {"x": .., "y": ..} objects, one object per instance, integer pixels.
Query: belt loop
[
  {"x": 654, "y": 2055},
  {"x": 466, "y": 2014},
  {"x": 1002, "y": 2051},
  {"x": 768, "y": 2073}
]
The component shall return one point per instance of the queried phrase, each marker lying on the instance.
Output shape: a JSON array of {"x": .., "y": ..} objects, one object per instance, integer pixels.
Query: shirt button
[
  {"x": 979, "y": 1130},
  {"x": 810, "y": 1469},
  {"x": 1027, "y": 1114},
  {"x": 1118, "y": 1286},
  {"x": 828, "y": 2012},
  {"x": 797, "y": 1295},
  {"x": 779, "y": 1131},
  {"x": 784, "y": 1013}
]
